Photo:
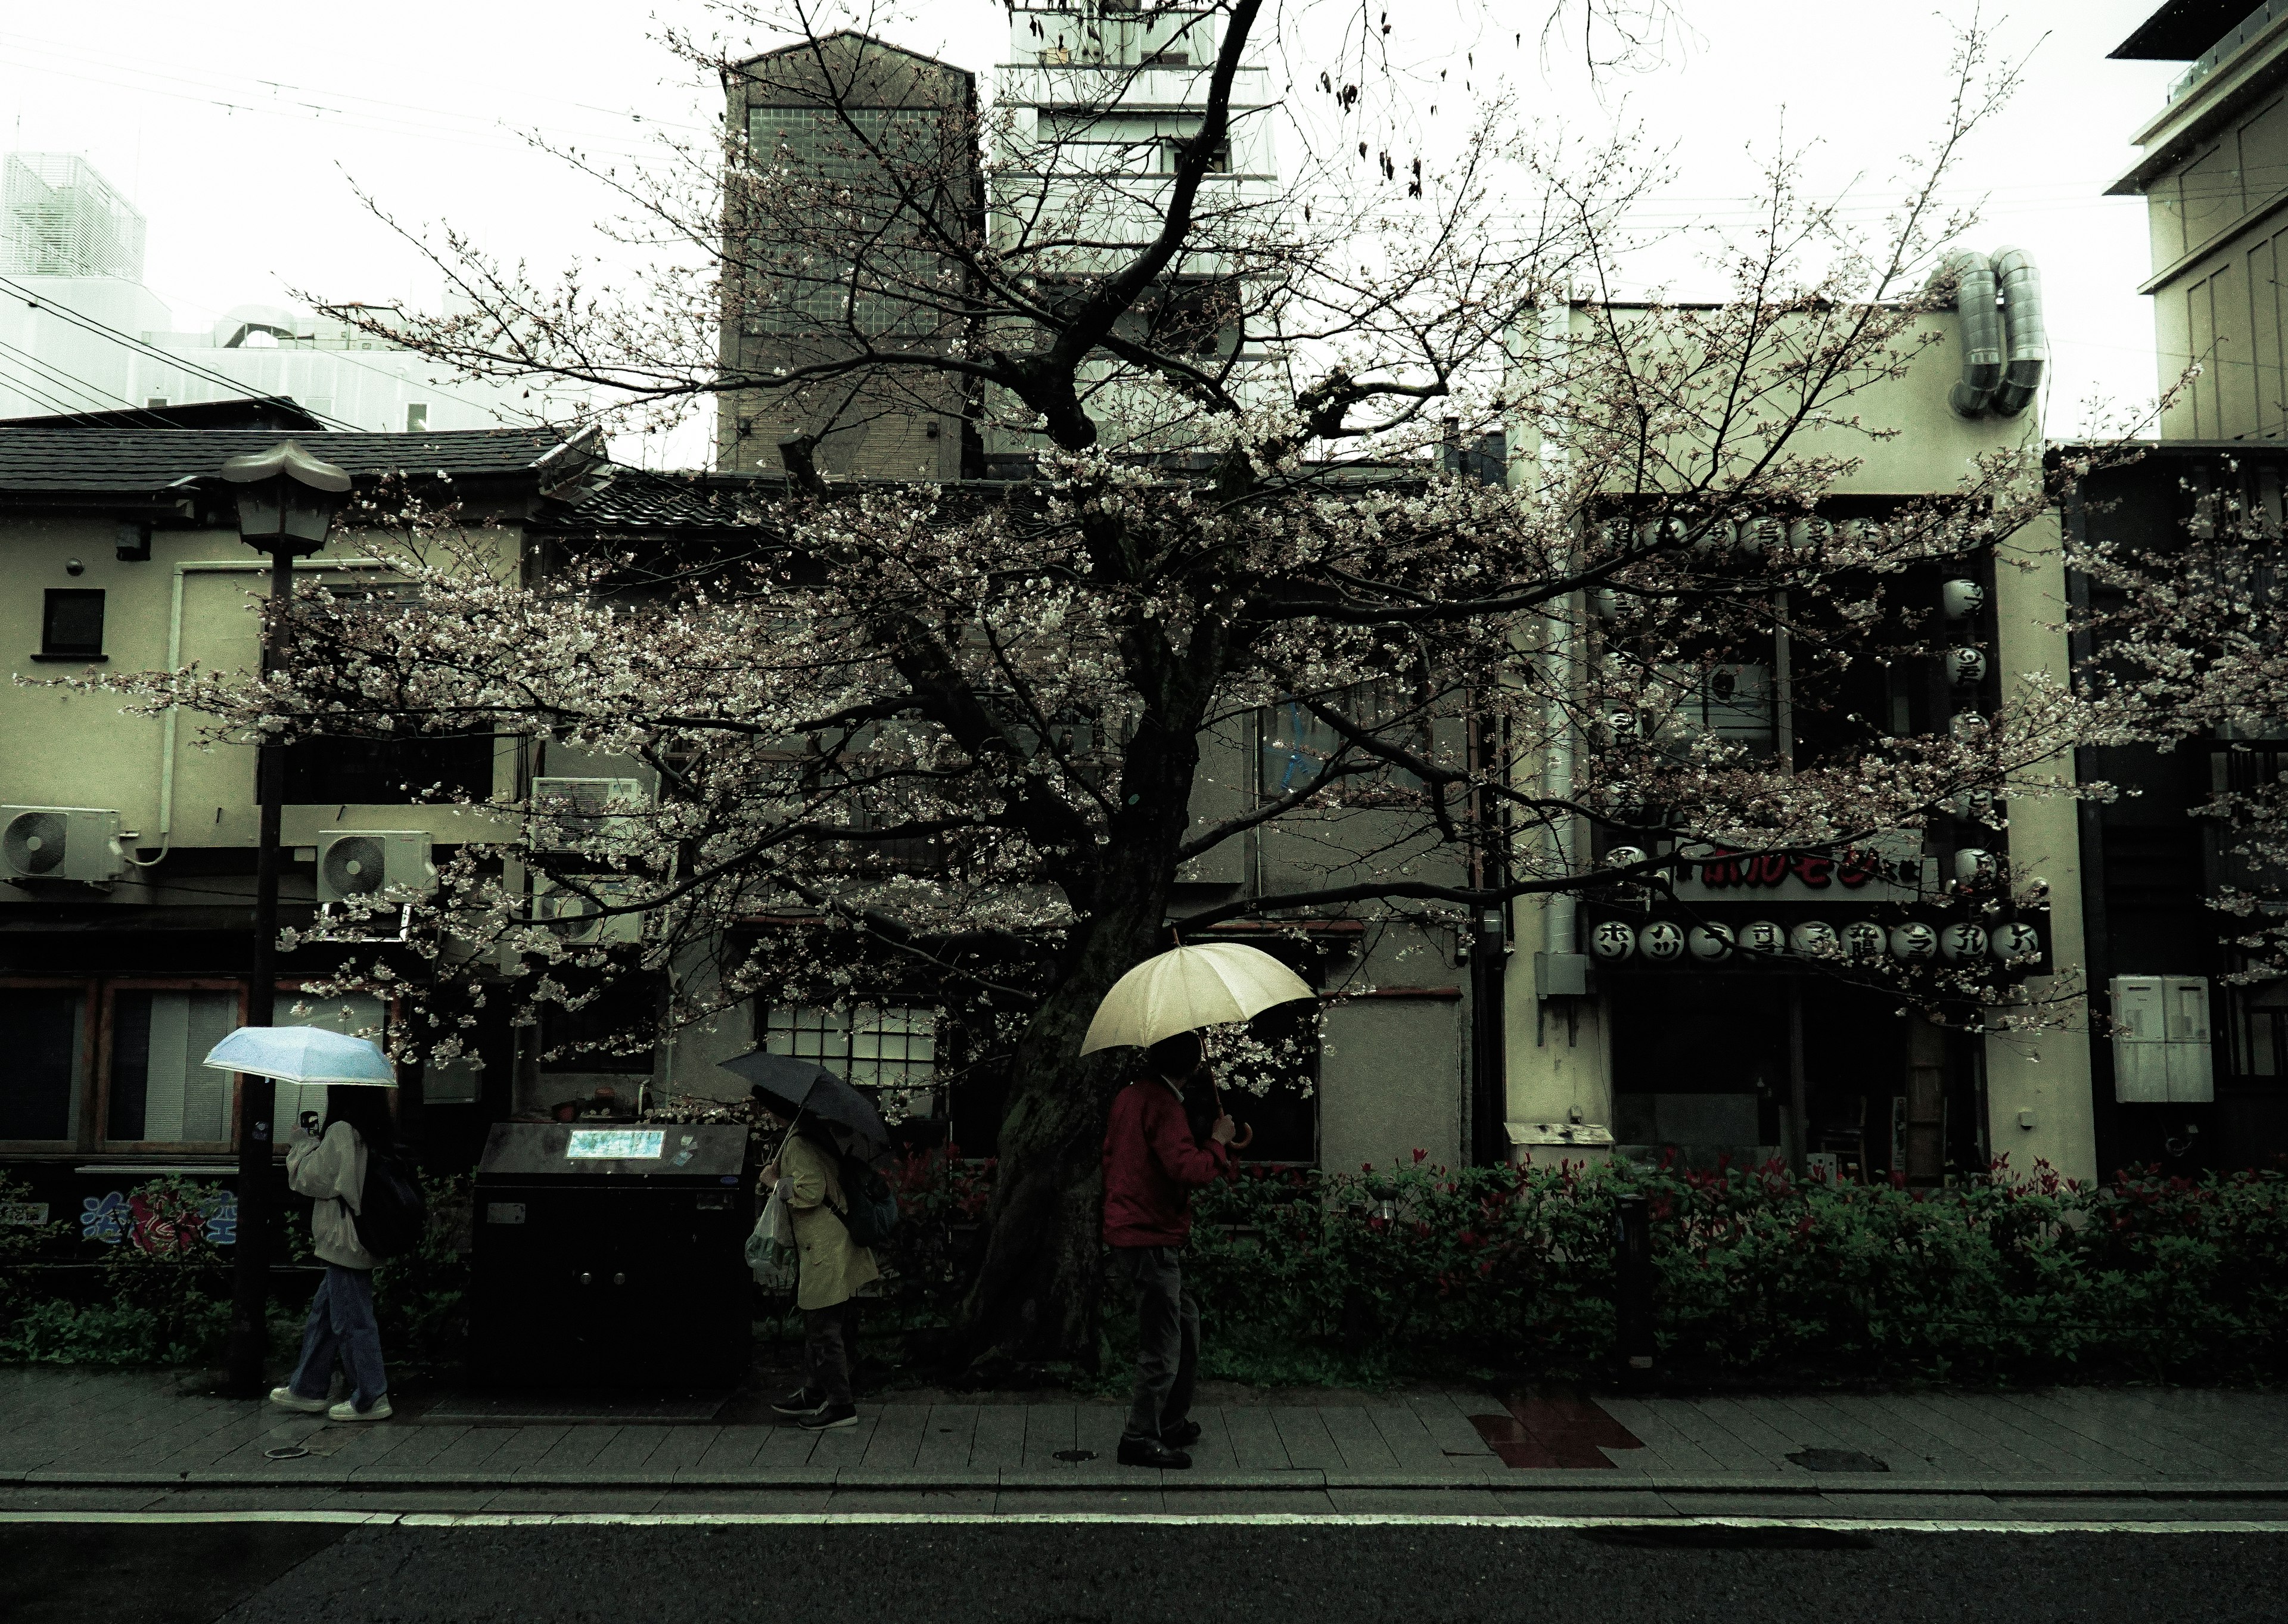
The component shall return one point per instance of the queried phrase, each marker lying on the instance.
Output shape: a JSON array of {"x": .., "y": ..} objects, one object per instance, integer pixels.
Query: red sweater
[{"x": 1151, "y": 1166}]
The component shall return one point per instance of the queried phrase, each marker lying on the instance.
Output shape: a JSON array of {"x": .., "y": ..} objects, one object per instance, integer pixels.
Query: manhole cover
[
  {"x": 1837, "y": 1461},
  {"x": 1075, "y": 1455}
]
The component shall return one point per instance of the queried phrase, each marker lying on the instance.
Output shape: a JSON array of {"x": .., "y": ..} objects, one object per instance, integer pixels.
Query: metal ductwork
[
  {"x": 2004, "y": 350},
  {"x": 2022, "y": 316}
]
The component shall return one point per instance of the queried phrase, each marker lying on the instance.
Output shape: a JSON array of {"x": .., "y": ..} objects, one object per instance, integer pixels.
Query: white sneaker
[
  {"x": 286, "y": 1397},
  {"x": 347, "y": 1410}
]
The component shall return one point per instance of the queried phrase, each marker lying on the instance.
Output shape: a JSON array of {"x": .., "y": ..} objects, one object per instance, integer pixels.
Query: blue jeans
[{"x": 341, "y": 1327}]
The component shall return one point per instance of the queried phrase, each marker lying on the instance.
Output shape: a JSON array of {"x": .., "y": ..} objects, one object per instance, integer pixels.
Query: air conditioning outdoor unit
[
  {"x": 375, "y": 865},
  {"x": 597, "y": 806},
  {"x": 60, "y": 842},
  {"x": 578, "y": 921}
]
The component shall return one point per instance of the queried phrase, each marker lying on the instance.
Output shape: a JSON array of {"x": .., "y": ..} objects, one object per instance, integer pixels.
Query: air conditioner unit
[
  {"x": 592, "y": 806},
  {"x": 576, "y": 919},
  {"x": 374, "y": 865},
  {"x": 60, "y": 842}
]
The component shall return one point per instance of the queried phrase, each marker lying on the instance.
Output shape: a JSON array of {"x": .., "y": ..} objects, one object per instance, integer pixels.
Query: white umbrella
[
  {"x": 303, "y": 1054},
  {"x": 1213, "y": 985}
]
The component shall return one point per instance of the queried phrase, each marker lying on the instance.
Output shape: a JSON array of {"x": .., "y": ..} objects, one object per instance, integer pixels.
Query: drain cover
[
  {"x": 1837, "y": 1461},
  {"x": 1075, "y": 1455}
]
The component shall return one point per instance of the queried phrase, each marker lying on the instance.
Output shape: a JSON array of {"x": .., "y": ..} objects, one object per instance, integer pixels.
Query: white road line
[{"x": 1173, "y": 1519}]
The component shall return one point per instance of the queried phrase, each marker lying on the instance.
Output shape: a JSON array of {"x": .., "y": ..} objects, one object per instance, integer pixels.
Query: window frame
[
  {"x": 48, "y": 647},
  {"x": 99, "y": 1141},
  {"x": 90, "y": 987}
]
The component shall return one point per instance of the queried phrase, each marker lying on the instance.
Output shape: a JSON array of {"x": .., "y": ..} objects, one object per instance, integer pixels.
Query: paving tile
[
  {"x": 1303, "y": 1431},
  {"x": 897, "y": 1442},
  {"x": 580, "y": 1447},
  {"x": 1048, "y": 1428},
  {"x": 1254, "y": 1436},
  {"x": 629, "y": 1449},
  {"x": 1411, "y": 1447},
  {"x": 1357, "y": 1439},
  {"x": 682, "y": 1447},
  {"x": 845, "y": 1446},
  {"x": 1099, "y": 1427},
  {"x": 1443, "y": 1416},
  {"x": 784, "y": 1447},
  {"x": 948, "y": 1436},
  {"x": 1213, "y": 1450},
  {"x": 998, "y": 1441},
  {"x": 735, "y": 1449}
]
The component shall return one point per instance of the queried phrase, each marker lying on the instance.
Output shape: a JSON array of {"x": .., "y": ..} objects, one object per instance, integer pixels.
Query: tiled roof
[
  {"x": 142, "y": 460},
  {"x": 618, "y": 498}
]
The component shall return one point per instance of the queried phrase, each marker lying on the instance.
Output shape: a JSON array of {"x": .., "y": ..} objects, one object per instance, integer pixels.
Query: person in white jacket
[{"x": 331, "y": 1166}]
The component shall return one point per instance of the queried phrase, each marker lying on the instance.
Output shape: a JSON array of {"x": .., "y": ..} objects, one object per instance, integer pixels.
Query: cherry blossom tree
[{"x": 956, "y": 731}]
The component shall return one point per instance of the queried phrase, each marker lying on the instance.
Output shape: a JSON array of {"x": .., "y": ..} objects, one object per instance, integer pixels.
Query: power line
[{"x": 102, "y": 329}]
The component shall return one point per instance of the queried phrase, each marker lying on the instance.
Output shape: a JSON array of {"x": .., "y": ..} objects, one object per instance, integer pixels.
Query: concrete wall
[
  {"x": 1394, "y": 1079},
  {"x": 78, "y": 750},
  {"x": 2049, "y": 1077}
]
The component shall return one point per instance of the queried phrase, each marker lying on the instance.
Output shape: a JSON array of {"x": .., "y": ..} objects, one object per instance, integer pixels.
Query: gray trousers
[
  {"x": 1167, "y": 1338},
  {"x": 830, "y": 1347}
]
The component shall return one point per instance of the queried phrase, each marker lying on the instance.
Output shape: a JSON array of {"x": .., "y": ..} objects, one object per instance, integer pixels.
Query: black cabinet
[{"x": 612, "y": 1256}]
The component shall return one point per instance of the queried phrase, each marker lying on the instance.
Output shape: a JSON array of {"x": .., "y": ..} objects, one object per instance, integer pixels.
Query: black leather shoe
[
  {"x": 1183, "y": 1435},
  {"x": 798, "y": 1404},
  {"x": 1152, "y": 1452}
]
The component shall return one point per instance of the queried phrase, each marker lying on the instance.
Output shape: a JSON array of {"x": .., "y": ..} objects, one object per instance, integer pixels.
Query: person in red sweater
[{"x": 1151, "y": 1165}]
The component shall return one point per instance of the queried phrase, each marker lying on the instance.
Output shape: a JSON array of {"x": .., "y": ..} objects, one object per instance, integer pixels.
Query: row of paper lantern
[
  {"x": 1960, "y": 598},
  {"x": 1664, "y": 941}
]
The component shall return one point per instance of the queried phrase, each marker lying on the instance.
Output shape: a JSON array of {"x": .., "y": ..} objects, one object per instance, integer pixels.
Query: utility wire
[{"x": 90, "y": 324}]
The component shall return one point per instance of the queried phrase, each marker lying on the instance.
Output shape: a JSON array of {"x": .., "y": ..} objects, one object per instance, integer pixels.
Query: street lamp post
[{"x": 287, "y": 500}]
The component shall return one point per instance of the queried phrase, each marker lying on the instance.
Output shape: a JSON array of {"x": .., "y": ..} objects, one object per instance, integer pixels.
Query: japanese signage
[{"x": 1888, "y": 869}]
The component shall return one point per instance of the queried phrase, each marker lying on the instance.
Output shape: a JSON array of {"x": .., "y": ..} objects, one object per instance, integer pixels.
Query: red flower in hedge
[{"x": 1420, "y": 1155}]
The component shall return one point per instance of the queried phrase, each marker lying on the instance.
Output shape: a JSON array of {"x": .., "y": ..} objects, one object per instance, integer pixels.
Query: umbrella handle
[{"x": 1238, "y": 1143}]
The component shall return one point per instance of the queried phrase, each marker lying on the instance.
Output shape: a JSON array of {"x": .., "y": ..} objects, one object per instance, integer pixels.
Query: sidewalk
[{"x": 72, "y": 1439}]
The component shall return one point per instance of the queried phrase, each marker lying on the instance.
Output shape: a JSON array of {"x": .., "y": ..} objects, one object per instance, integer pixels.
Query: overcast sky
[{"x": 239, "y": 128}]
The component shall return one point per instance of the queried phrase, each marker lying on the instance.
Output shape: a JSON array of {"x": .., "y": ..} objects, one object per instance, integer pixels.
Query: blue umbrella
[{"x": 303, "y": 1054}]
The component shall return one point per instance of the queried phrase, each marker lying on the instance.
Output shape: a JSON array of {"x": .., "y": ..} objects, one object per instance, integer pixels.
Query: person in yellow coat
[{"x": 830, "y": 1270}]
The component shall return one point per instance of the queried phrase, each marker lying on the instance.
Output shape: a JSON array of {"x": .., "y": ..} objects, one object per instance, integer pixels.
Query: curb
[{"x": 1522, "y": 1482}]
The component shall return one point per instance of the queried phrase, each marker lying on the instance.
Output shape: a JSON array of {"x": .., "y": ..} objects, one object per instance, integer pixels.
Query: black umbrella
[{"x": 804, "y": 1088}]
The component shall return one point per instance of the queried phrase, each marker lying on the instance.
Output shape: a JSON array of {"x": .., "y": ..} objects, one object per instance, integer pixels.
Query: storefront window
[
  {"x": 160, "y": 1090},
  {"x": 43, "y": 1055}
]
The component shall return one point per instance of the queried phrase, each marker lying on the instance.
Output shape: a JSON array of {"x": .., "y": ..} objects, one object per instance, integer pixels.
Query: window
[
  {"x": 893, "y": 1047},
  {"x": 386, "y": 772},
  {"x": 154, "y": 402},
  {"x": 417, "y": 419},
  {"x": 161, "y": 1091},
  {"x": 71, "y": 624},
  {"x": 1297, "y": 744},
  {"x": 43, "y": 1034},
  {"x": 2260, "y": 1028}
]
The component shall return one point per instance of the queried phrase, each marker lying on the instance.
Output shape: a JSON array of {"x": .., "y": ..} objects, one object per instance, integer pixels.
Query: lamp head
[{"x": 287, "y": 498}]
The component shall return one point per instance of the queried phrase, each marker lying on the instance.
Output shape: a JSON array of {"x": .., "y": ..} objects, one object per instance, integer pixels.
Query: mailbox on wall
[{"x": 2161, "y": 1040}]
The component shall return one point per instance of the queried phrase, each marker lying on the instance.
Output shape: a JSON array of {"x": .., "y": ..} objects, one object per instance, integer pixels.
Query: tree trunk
[{"x": 1036, "y": 1295}]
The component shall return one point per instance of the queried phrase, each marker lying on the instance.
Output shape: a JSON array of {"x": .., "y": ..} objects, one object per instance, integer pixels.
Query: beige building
[
  {"x": 2214, "y": 173},
  {"x": 127, "y": 843},
  {"x": 1758, "y": 1055},
  {"x": 848, "y": 122}
]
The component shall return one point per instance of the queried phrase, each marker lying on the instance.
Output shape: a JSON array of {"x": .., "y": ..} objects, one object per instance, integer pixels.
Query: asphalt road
[{"x": 909, "y": 1574}]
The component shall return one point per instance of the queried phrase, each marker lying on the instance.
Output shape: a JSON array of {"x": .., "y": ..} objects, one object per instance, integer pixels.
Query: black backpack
[
  {"x": 873, "y": 1205},
  {"x": 393, "y": 1214}
]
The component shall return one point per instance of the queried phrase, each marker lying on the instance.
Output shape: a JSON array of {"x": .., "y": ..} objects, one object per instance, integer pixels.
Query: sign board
[
  {"x": 1888, "y": 869},
  {"x": 614, "y": 1144}
]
